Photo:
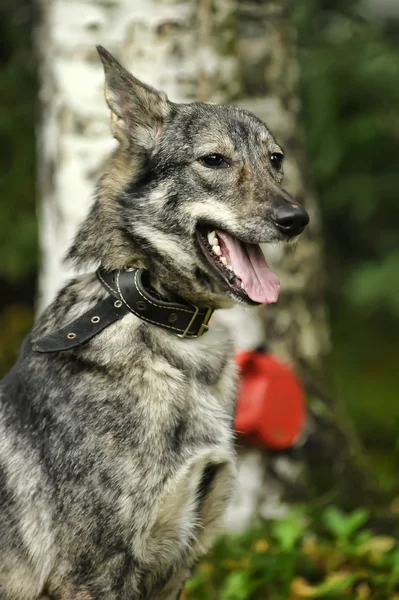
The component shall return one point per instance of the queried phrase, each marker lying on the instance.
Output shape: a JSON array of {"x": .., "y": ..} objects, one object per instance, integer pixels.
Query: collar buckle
[
  {"x": 184, "y": 334},
  {"x": 203, "y": 327}
]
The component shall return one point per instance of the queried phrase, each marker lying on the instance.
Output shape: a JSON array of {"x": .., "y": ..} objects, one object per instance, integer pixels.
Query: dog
[{"x": 116, "y": 423}]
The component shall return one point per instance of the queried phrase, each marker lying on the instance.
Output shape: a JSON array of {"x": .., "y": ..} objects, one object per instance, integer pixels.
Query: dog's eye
[
  {"x": 277, "y": 160},
  {"x": 214, "y": 161}
]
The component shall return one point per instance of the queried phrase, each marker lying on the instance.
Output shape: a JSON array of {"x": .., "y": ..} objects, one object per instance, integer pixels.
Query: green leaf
[
  {"x": 287, "y": 532},
  {"x": 334, "y": 586},
  {"x": 236, "y": 586},
  {"x": 335, "y": 521},
  {"x": 354, "y": 521},
  {"x": 341, "y": 525}
]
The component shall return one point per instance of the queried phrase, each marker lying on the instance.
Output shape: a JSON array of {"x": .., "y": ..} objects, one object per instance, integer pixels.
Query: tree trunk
[{"x": 219, "y": 51}]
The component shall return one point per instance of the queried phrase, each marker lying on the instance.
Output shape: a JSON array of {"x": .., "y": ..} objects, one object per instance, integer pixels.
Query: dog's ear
[{"x": 137, "y": 110}]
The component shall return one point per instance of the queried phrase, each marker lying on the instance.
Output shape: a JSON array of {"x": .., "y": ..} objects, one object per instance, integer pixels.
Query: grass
[{"x": 330, "y": 556}]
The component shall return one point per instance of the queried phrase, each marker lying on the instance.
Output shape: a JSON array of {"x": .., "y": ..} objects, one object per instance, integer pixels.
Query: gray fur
[{"x": 116, "y": 458}]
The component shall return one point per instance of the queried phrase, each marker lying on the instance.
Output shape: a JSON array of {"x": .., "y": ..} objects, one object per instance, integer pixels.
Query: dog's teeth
[
  {"x": 230, "y": 267},
  {"x": 223, "y": 260},
  {"x": 217, "y": 250},
  {"x": 242, "y": 285},
  {"x": 211, "y": 237}
]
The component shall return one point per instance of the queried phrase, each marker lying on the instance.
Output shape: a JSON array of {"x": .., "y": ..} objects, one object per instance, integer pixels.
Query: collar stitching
[
  {"x": 153, "y": 304},
  {"x": 140, "y": 316},
  {"x": 109, "y": 288}
]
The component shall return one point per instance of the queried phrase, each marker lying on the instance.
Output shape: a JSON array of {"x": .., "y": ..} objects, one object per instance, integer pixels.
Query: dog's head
[{"x": 189, "y": 194}]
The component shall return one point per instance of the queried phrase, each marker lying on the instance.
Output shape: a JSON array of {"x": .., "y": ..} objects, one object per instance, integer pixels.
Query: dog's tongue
[{"x": 249, "y": 264}]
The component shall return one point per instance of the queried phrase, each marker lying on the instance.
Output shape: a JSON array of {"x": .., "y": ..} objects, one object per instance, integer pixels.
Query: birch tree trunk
[{"x": 209, "y": 50}]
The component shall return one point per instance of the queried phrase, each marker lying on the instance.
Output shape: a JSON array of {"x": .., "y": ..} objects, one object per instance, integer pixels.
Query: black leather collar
[{"x": 127, "y": 293}]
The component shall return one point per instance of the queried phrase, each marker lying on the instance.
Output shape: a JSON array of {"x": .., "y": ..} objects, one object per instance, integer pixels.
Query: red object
[{"x": 271, "y": 408}]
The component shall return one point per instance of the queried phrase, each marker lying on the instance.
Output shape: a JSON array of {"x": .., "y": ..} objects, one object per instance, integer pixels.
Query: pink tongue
[{"x": 249, "y": 264}]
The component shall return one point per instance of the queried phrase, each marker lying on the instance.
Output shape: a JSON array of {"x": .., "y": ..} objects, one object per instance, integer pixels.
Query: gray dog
[{"x": 116, "y": 437}]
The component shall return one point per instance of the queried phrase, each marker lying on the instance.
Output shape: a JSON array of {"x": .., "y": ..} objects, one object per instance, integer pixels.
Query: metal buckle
[
  {"x": 204, "y": 325},
  {"x": 183, "y": 335}
]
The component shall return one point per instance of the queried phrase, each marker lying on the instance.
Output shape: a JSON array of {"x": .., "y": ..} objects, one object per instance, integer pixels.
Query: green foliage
[
  {"x": 18, "y": 231},
  {"x": 328, "y": 557},
  {"x": 350, "y": 93},
  {"x": 376, "y": 283},
  {"x": 287, "y": 532},
  {"x": 343, "y": 526}
]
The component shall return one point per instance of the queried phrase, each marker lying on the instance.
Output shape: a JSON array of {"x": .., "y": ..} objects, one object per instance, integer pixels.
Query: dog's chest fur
[{"x": 129, "y": 447}]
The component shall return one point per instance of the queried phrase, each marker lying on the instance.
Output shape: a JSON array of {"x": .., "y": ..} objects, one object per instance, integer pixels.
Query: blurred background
[{"x": 348, "y": 56}]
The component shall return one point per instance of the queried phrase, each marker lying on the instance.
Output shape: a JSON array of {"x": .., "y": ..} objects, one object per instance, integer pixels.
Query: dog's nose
[{"x": 291, "y": 219}]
